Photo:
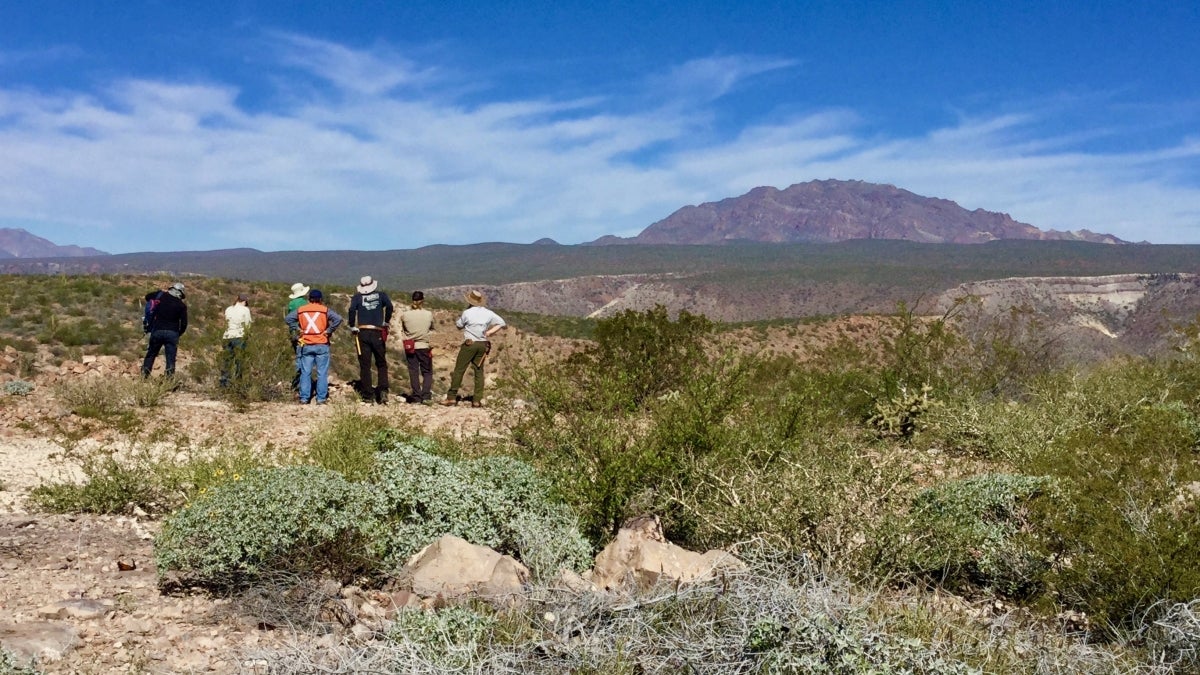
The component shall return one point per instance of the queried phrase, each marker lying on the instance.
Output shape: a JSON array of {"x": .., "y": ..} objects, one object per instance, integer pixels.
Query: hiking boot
[{"x": 449, "y": 402}]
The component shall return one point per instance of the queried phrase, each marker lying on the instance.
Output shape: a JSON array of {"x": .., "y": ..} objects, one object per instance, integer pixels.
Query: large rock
[
  {"x": 454, "y": 568},
  {"x": 41, "y": 640},
  {"x": 640, "y": 555}
]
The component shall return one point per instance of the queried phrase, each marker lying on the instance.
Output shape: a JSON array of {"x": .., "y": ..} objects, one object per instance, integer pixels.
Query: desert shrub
[
  {"x": 105, "y": 398},
  {"x": 991, "y": 428},
  {"x": 971, "y": 532},
  {"x": 305, "y": 519},
  {"x": 18, "y": 388},
  {"x": 1003, "y": 352},
  {"x": 611, "y": 462},
  {"x": 820, "y": 496},
  {"x": 644, "y": 354},
  {"x": 298, "y": 518},
  {"x": 109, "y": 486},
  {"x": 347, "y": 443},
  {"x": 1129, "y": 527},
  {"x": 1173, "y": 639},
  {"x": 142, "y": 476},
  {"x": 492, "y": 501},
  {"x": 448, "y": 639},
  {"x": 767, "y": 619}
]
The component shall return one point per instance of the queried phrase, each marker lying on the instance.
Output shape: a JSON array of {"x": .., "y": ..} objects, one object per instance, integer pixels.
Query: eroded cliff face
[
  {"x": 1100, "y": 316},
  {"x": 1136, "y": 312}
]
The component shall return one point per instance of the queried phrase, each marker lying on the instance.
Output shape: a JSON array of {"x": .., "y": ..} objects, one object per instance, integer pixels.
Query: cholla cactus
[{"x": 900, "y": 416}]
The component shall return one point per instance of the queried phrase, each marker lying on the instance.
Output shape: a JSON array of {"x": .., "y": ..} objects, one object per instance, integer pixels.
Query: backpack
[{"x": 148, "y": 311}]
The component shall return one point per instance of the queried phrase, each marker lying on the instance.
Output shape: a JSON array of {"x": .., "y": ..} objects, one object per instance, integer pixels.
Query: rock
[
  {"x": 76, "y": 608},
  {"x": 642, "y": 556},
  {"x": 42, "y": 640},
  {"x": 568, "y": 580},
  {"x": 454, "y": 568}
]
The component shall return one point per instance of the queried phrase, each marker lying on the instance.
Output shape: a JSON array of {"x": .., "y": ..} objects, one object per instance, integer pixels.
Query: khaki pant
[{"x": 468, "y": 355}]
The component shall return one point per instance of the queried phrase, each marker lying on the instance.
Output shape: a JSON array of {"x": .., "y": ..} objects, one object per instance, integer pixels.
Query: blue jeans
[
  {"x": 311, "y": 355},
  {"x": 167, "y": 340},
  {"x": 231, "y": 360}
]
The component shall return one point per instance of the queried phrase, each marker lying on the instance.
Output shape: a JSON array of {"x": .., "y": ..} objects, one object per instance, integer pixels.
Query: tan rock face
[
  {"x": 642, "y": 557},
  {"x": 453, "y": 568}
]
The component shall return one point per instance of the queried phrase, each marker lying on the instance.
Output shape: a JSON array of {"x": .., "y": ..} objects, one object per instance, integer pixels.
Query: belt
[
  {"x": 468, "y": 342},
  {"x": 370, "y": 327}
]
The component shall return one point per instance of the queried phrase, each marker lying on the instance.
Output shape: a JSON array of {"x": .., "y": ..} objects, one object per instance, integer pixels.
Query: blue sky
[{"x": 136, "y": 126}]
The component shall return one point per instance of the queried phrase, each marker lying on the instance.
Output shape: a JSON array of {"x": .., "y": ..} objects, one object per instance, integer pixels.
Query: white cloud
[{"x": 145, "y": 165}]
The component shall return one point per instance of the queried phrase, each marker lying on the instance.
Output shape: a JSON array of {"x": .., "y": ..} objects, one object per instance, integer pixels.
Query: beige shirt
[
  {"x": 416, "y": 325},
  {"x": 237, "y": 317}
]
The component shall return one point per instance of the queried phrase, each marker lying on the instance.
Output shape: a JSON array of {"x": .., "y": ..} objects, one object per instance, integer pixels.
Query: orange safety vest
[{"x": 314, "y": 321}]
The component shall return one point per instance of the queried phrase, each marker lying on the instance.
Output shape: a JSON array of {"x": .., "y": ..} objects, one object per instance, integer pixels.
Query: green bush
[
  {"x": 644, "y": 354},
  {"x": 1127, "y": 461},
  {"x": 18, "y": 388},
  {"x": 973, "y": 531},
  {"x": 493, "y": 501},
  {"x": 347, "y": 443},
  {"x": 143, "y": 477},
  {"x": 287, "y": 519},
  {"x": 302, "y": 519}
]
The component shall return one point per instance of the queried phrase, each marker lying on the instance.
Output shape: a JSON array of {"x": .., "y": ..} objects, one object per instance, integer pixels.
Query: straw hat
[{"x": 476, "y": 298}]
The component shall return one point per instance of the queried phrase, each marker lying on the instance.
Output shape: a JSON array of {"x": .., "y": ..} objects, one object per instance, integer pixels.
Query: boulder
[
  {"x": 455, "y": 568},
  {"x": 41, "y": 640},
  {"x": 640, "y": 555}
]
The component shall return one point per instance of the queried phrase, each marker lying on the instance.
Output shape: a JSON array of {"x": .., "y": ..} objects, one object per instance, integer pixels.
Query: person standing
[
  {"x": 478, "y": 324},
  {"x": 298, "y": 297},
  {"x": 168, "y": 321},
  {"x": 314, "y": 323},
  {"x": 237, "y": 317},
  {"x": 416, "y": 323},
  {"x": 369, "y": 315}
]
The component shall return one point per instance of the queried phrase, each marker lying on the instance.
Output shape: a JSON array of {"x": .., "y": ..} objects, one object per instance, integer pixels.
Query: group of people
[{"x": 311, "y": 325}]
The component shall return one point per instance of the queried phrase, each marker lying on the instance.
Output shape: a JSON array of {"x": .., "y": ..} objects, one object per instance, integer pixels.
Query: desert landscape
[{"x": 920, "y": 490}]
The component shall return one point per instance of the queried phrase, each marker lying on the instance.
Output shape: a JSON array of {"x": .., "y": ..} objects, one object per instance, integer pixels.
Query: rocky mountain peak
[{"x": 839, "y": 210}]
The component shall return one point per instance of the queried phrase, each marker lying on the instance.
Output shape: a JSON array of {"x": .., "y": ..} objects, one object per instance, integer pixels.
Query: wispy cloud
[
  {"x": 370, "y": 72},
  {"x": 149, "y": 164},
  {"x": 710, "y": 78}
]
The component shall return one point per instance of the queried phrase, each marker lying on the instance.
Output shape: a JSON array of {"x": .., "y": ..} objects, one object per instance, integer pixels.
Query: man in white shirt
[
  {"x": 478, "y": 324},
  {"x": 237, "y": 317}
]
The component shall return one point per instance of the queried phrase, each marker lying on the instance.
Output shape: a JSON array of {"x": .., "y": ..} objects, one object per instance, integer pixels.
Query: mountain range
[
  {"x": 838, "y": 210},
  {"x": 17, "y": 243}
]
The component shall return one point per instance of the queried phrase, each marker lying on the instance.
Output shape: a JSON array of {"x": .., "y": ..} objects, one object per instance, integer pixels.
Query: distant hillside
[
  {"x": 742, "y": 281},
  {"x": 17, "y": 243},
  {"x": 835, "y": 210}
]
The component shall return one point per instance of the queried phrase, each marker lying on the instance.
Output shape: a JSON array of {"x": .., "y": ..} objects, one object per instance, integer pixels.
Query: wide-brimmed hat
[
  {"x": 299, "y": 290},
  {"x": 367, "y": 284},
  {"x": 476, "y": 298}
]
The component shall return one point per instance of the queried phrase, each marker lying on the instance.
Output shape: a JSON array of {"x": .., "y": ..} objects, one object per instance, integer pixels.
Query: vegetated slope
[{"x": 836, "y": 210}]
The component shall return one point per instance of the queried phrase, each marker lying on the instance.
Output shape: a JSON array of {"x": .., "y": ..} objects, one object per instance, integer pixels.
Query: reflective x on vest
[{"x": 313, "y": 323}]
